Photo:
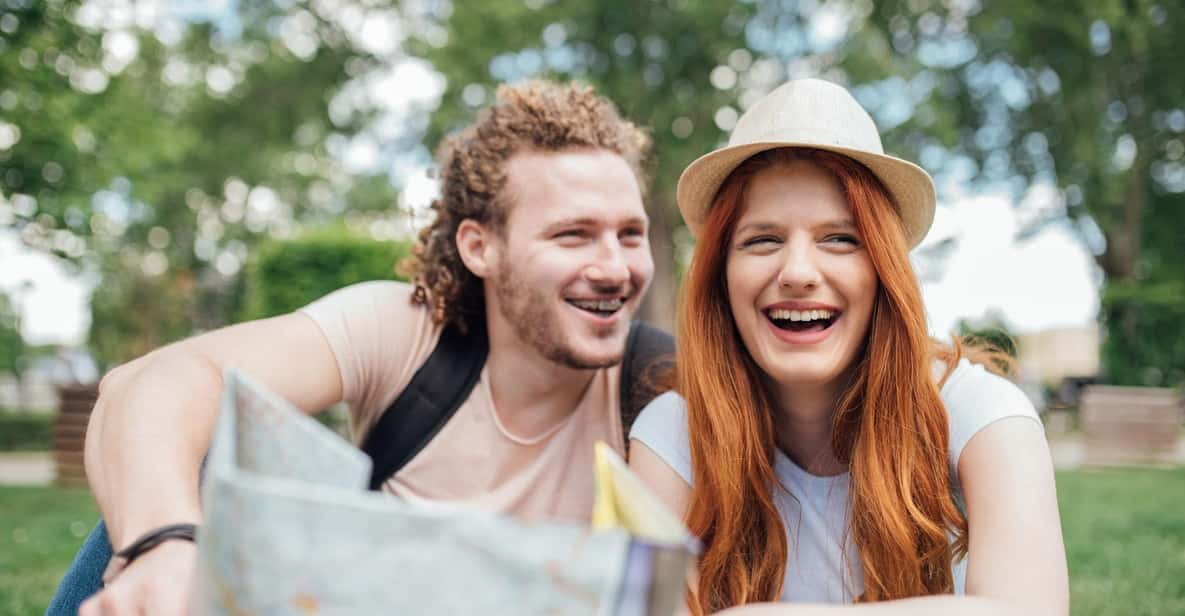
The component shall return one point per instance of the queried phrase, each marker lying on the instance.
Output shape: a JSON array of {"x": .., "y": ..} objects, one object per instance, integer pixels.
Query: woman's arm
[
  {"x": 1017, "y": 558},
  {"x": 660, "y": 478}
]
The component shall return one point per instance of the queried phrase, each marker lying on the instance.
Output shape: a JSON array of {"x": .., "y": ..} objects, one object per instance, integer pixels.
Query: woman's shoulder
[
  {"x": 662, "y": 427},
  {"x": 669, "y": 402},
  {"x": 975, "y": 398},
  {"x": 973, "y": 380},
  {"x": 665, "y": 414}
]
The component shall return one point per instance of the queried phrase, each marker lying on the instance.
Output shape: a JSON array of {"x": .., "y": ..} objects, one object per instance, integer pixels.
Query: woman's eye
[
  {"x": 759, "y": 240},
  {"x": 842, "y": 239}
]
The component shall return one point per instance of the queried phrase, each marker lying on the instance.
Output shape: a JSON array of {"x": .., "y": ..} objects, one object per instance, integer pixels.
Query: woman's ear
[{"x": 477, "y": 247}]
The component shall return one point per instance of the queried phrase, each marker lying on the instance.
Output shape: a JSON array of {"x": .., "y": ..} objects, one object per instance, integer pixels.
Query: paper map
[{"x": 290, "y": 528}]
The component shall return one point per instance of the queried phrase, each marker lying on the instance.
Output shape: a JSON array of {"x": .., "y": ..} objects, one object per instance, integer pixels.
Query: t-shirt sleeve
[
  {"x": 662, "y": 426},
  {"x": 976, "y": 398},
  {"x": 379, "y": 339}
]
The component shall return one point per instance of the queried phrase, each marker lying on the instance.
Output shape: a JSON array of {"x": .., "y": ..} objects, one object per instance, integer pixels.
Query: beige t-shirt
[{"x": 380, "y": 340}]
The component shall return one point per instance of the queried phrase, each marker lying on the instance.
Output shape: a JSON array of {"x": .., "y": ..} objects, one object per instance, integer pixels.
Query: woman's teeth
[{"x": 779, "y": 314}]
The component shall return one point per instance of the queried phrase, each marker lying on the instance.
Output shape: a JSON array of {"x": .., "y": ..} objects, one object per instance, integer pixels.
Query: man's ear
[{"x": 477, "y": 245}]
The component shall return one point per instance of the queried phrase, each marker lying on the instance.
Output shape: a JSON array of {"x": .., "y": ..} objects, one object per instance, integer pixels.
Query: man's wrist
[
  {"x": 129, "y": 519},
  {"x": 146, "y": 542}
]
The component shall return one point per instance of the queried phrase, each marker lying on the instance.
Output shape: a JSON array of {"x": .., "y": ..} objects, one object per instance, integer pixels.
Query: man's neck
[{"x": 531, "y": 393}]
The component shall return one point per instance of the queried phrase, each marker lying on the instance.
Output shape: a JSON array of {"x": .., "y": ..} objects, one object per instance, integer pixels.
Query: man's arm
[{"x": 154, "y": 418}]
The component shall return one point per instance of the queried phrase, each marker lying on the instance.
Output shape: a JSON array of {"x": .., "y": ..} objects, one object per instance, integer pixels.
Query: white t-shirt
[{"x": 814, "y": 510}]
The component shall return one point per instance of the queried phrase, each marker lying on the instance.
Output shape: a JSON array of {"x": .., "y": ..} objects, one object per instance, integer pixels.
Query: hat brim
[{"x": 910, "y": 187}]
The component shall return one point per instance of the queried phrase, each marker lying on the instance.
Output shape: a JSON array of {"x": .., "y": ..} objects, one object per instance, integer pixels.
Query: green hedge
[
  {"x": 284, "y": 275},
  {"x": 1143, "y": 345},
  {"x": 26, "y": 431}
]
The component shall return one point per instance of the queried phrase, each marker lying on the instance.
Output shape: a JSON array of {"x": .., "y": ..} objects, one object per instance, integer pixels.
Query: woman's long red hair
[{"x": 890, "y": 426}]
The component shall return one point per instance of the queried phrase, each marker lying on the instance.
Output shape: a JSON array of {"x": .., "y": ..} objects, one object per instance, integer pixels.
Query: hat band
[{"x": 804, "y": 135}]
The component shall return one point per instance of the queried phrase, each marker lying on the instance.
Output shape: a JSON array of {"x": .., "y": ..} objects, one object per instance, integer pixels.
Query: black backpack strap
[
  {"x": 434, "y": 394},
  {"x": 645, "y": 370}
]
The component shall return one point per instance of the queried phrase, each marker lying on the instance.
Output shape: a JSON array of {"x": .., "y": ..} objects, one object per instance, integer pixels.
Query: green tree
[
  {"x": 1084, "y": 97},
  {"x": 157, "y": 156},
  {"x": 14, "y": 353}
]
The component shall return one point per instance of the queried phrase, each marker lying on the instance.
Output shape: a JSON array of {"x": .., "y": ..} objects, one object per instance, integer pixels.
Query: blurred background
[{"x": 171, "y": 167}]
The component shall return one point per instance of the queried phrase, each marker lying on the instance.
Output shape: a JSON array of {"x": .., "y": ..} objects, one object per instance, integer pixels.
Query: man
[{"x": 540, "y": 234}]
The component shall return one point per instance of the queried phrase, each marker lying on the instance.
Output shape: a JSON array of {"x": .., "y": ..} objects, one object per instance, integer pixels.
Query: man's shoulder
[
  {"x": 378, "y": 291},
  {"x": 379, "y": 337},
  {"x": 387, "y": 298}
]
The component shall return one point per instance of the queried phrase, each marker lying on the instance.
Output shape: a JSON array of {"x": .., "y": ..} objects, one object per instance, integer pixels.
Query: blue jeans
[{"x": 85, "y": 576}]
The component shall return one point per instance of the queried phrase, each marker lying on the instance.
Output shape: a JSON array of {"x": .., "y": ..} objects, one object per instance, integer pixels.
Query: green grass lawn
[
  {"x": 1125, "y": 540},
  {"x": 40, "y": 529}
]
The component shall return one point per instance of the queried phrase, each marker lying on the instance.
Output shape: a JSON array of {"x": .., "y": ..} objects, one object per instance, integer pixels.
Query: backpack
[{"x": 446, "y": 379}]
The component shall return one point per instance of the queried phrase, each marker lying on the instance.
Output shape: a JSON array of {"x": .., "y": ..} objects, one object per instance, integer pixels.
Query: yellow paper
[{"x": 623, "y": 501}]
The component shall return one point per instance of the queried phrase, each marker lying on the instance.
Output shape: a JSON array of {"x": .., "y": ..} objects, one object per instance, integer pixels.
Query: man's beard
[{"x": 530, "y": 312}]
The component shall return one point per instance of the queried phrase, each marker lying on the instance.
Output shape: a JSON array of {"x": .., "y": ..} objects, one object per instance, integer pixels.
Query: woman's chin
[{"x": 798, "y": 375}]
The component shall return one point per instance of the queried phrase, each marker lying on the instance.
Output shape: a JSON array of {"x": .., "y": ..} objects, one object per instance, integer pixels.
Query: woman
[{"x": 822, "y": 446}]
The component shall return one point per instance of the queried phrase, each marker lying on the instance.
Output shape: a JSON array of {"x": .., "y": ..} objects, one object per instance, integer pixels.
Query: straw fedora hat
[{"x": 809, "y": 113}]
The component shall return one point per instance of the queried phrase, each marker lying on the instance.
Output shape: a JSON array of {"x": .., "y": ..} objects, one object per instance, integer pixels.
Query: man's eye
[{"x": 577, "y": 233}]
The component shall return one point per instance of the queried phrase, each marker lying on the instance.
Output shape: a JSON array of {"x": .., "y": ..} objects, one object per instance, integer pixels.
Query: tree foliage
[
  {"x": 1082, "y": 97},
  {"x": 156, "y": 155},
  {"x": 12, "y": 344}
]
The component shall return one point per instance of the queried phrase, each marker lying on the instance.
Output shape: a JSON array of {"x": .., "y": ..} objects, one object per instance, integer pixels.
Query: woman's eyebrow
[
  {"x": 839, "y": 225},
  {"x": 758, "y": 226},
  {"x": 830, "y": 225}
]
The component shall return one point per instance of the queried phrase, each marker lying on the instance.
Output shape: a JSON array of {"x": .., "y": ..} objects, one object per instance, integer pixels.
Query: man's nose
[{"x": 609, "y": 267}]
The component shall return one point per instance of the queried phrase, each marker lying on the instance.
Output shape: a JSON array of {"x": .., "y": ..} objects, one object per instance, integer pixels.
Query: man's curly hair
[{"x": 540, "y": 116}]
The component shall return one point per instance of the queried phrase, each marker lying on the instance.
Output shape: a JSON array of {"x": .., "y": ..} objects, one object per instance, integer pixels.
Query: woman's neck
[{"x": 803, "y": 425}]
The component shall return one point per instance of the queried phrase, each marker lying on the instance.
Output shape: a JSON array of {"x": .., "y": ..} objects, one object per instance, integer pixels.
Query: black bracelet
[{"x": 146, "y": 542}]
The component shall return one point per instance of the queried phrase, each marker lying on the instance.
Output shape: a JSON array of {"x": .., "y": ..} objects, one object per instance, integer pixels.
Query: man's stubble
[{"x": 531, "y": 312}]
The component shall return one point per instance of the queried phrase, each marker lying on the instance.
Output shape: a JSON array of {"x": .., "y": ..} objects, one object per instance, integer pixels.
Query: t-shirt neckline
[
  {"x": 783, "y": 462},
  {"x": 534, "y": 439}
]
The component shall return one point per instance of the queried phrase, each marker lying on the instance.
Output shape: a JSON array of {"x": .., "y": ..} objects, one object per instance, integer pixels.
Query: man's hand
[{"x": 159, "y": 583}]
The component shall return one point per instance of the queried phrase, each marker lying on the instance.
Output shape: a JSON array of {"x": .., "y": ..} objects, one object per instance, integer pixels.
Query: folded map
[{"x": 290, "y": 528}]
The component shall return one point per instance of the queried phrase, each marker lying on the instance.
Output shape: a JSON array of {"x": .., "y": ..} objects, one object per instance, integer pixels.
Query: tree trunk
[
  {"x": 1121, "y": 265},
  {"x": 659, "y": 305},
  {"x": 1121, "y": 259}
]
